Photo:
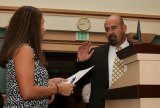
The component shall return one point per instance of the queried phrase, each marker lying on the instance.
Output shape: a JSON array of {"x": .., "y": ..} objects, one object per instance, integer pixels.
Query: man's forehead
[{"x": 110, "y": 25}]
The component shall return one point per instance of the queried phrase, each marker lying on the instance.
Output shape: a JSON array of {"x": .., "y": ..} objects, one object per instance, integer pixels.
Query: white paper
[{"x": 77, "y": 76}]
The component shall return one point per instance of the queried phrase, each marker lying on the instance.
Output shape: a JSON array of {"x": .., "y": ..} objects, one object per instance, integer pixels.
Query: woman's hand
[
  {"x": 56, "y": 81},
  {"x": 65, "y": 89},
  {"x": 51, "y": 99}
]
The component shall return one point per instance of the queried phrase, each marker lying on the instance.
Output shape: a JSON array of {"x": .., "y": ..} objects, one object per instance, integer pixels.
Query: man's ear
[{"x": 125, "y": 27}]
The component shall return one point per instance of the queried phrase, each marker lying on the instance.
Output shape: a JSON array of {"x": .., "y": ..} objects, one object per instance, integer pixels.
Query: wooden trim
[
  {"x": 134, "y": 92},
  {"x": 71, "y": 36},
  {"x": 62, "y": 46},
  {"x": 67, "y": 12},
  {"x": 138, "y": 48},
  {"x": 70, "y": 42}
]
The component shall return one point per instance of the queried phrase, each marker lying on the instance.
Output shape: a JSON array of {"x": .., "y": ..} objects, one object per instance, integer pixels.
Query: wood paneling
[
  {"x": 65, "y": 12},
  {"x": 134, "y": 92}
]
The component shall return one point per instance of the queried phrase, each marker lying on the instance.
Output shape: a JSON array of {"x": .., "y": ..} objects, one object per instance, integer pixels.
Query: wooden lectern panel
[
  {"x": 139, "y": 87},
  {"x": 138, "y": 48}
]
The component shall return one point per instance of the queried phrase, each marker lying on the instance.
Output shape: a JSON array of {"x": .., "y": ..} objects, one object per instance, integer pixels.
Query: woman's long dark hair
[{"x": 24, "y": 27}]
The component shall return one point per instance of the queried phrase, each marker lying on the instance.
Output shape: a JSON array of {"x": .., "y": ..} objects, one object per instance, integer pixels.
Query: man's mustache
[
  {"x": 113, "y": 40},
  {"x": 112, "y": 37}
]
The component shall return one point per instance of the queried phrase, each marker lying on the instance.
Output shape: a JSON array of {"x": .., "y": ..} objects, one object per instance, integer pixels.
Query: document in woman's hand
[{"x": 77, "y": 76}]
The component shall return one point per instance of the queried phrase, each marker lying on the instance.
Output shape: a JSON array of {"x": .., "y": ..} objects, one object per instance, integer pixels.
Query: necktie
[{"x": 118, "y": 68}]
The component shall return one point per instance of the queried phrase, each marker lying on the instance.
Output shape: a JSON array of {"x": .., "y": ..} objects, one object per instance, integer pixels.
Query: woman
[{"x": 27, "y": 79}]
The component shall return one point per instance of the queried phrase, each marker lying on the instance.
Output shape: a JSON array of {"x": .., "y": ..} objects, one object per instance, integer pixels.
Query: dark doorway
[{"x": 62, "y": 64}]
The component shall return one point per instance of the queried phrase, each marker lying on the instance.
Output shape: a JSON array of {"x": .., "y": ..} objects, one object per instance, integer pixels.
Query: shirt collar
[{"x": 123, "y": 45}]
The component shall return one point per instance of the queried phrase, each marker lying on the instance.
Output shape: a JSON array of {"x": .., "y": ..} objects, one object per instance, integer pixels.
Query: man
[{"x": 103, "y": 58}]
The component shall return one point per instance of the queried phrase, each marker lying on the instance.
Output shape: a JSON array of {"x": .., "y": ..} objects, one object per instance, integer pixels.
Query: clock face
[{"x": 83, "y": 24}]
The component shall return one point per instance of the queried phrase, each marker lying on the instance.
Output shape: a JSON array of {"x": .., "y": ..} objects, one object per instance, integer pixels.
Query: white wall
[
  {"x": 151, "y": 7},
  {"x": 146, "y": 7}
]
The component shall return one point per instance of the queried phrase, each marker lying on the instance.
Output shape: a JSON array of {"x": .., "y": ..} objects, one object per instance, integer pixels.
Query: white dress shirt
[
  {"x": 86, "y": 92},
  {"x": 111, "y": 57}
]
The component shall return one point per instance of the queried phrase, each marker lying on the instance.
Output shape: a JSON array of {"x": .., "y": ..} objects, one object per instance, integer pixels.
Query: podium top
[{"x": 138, "y": 48}]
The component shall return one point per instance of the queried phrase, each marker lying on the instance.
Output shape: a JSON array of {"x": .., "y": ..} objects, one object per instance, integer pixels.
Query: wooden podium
[{"x": 139, "y": 87}]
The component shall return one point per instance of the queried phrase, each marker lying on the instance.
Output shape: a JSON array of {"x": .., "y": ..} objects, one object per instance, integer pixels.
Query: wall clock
[{"x": 83, "y": 24}]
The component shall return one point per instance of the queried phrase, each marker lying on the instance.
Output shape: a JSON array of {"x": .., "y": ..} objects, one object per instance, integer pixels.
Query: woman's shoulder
[
  {"x": 23, "y": 49},
  {"x": 25, "y": 46}
]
